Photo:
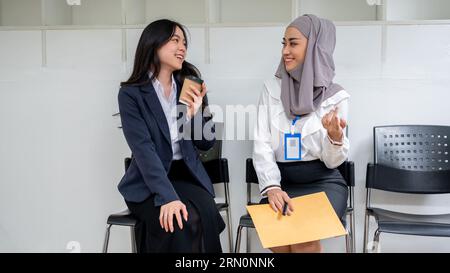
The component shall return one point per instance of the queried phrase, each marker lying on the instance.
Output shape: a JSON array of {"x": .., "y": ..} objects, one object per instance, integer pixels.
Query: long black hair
[{"x": 154, "y": 36}]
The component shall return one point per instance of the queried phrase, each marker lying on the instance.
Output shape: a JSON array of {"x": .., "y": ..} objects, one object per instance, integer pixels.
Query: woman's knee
[
  {"x": 309, "y": 247},
  {"x": 192, "y": 225},
  {"x": 281, "y": 249}
]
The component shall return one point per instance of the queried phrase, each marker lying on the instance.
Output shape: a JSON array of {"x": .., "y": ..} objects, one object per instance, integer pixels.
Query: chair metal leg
[
  {"x": 352, "y": 230},
  {"x": 133, "y": 240},
  {"x": 376, "y": 241},
  {"x": 348, "y": 237},
  {"x": 348, "y": 243},
  {"x": 106, "y": 242},
  {"x": 247, "y": 242},
  {"x": 366, "y": 231},
  {"x": 230, "y": 230},
  {"x": 238, "y": 239}
]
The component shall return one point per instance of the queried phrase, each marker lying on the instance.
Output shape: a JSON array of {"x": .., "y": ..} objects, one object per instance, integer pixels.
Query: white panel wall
[
  {"x": 59, "y": 144},
  {"x": 281, "y": 12},
  {"x": 193, "y": 10},
  {"x": 418, "y": 9},
  {"x": 57, "y": 12},
  {"x": 88, "y": 13},
  {"x": 346, "y": 9},
  {"x": 418, "y": 52},
  {"x": 20, "y": 49},
  {"x": 61, "y": 153},
  {"x": 260, "y": 47},
  {"x": 134, "y": 11},
  {"x": 364, "y": 43},
  {"x": 11, "y": 11},
  {"x": 84, "y": 48}
]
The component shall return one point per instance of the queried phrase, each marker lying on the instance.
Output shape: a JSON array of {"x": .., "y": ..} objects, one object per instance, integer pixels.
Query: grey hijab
[{"x": 305, "y": 88}]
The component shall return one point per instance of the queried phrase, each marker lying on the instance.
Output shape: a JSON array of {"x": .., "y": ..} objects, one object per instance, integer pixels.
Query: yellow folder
[{"x": 313, "y": 219}]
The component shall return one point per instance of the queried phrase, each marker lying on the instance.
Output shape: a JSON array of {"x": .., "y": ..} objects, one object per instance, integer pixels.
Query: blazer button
[{"x": 187, "y": 157}]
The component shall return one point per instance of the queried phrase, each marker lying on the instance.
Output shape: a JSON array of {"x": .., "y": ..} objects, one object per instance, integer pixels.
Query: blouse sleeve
[
  {"x": 334, "y": 155},
  {"x": 263, "y": 155}
]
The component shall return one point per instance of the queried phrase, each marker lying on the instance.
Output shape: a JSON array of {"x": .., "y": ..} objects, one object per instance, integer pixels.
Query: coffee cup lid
[{"x": 195, "y": 79}]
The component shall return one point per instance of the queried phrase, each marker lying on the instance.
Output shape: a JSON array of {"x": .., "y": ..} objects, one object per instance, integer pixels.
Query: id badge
[{"x": 292, "y": 146}]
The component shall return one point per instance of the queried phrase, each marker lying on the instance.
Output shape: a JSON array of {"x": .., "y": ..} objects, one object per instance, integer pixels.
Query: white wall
[
  {"x": 193, "y": 10},
  {"x": 258, "y": 10},
  {"x": 88, "y": 13},
  {"x": 57, "y": 12},
  {"x": 11, "y": 11},
  {"x": 418, "y": 9},
  {"x": 61, "y": 153},
  {"x": 344, "y": 11}
]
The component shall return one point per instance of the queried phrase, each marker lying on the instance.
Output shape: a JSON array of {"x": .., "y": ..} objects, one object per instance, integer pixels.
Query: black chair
[
  {"x": 123, "y": 218},
  {"x": 347, "y": 170},
  {"x": 217, "y": 169},
  {"x": 411, "y": 159}
]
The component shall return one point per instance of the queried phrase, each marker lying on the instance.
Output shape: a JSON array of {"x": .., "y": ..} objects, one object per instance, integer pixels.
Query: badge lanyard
[{"x": 293, "y": 143}]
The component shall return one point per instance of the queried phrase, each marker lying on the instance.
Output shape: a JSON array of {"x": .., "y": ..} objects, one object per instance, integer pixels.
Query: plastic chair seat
[
  {"x": 412, "y": 224},
  {"x": 246, "y": 221},
  {"x": 221, "y": 206},
  {"x": 123, "y": 218}
]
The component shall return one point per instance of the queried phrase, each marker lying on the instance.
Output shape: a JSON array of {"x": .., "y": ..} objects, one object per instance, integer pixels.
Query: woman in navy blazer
[{"x": 166, "y": 186}]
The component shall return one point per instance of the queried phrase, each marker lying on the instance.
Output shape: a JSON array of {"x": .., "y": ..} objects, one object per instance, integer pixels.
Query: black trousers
[{"x": 201, "y": 231}]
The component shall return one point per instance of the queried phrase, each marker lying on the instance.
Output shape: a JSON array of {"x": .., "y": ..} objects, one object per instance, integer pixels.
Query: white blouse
[
  {"x": 169, "y": 106},
  {"x": 272, "y": 124}
]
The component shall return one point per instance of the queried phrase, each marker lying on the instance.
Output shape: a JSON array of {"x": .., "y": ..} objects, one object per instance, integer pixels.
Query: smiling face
[
  {"x": 294, "y": 48},
  {"x": 173, "y": 53}
]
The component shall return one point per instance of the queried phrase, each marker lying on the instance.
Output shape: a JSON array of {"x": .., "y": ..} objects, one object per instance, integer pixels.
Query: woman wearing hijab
[{"x": 299, "y": 137}]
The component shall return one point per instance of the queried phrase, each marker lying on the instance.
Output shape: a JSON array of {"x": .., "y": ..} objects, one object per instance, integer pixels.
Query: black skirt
[
  {"x": 306, "y": 177},
  {"x": 199, "y": 234}
]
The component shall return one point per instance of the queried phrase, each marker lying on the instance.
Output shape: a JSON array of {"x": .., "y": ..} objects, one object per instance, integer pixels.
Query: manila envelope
[{"x": 313, "y": 219}]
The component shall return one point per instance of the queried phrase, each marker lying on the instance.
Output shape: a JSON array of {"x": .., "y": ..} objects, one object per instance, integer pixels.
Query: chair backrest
[
  {"x": 412, "y": 147},
  {"x": 216, "y": 151},
  {"x": 212, "y": 154},
  {"x": 215, "y": 165},
  {"x": 250, "y": 173},
  {"x": 250, "y": 178},
  {"x": 411, "y": 159},
  {"x": 217, "y": 170}
]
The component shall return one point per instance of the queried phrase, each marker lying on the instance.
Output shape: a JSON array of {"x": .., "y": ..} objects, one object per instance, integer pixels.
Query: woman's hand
[
  {"x": 334, "y": 125},
  {"x": 197, "y": 97},
  {"x": 277, "y": 198},
  {"x": 167, "y": 212}
]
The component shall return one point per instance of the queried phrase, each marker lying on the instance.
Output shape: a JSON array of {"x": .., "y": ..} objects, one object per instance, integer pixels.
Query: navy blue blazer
[{"x": 147, "y": 134}]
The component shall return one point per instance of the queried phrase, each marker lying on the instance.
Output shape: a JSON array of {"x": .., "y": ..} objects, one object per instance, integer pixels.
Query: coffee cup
[{"x": 196, "y": 82}]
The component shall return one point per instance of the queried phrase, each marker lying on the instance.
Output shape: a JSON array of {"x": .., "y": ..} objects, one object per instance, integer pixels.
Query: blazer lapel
[{"x": 155, "y": 107}]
